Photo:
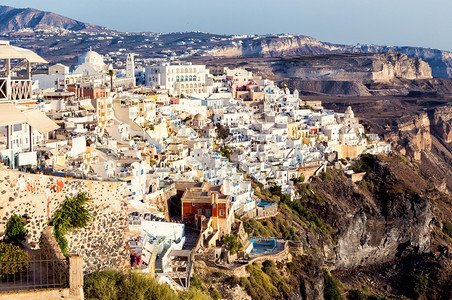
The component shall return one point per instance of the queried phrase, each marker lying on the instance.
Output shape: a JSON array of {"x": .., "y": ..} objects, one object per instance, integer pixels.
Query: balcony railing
[
  {"x": 35, "y": 274},
  {"x": 15, "y": 90}
]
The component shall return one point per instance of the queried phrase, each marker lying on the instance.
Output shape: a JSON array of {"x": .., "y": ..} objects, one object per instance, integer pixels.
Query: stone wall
[
  {"x": 261, "y": 212},
  {"x": 50, "y": 250},
  {"x": 101, "y": 244}
]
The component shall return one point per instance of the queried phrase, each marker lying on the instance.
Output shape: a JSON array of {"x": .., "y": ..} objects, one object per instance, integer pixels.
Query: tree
[
  {"x": 222, "y": 132},
  {"x": 330, "y": 289},
  {"x": 15, "y": 229},
  {"x": 111, "y": 73}
]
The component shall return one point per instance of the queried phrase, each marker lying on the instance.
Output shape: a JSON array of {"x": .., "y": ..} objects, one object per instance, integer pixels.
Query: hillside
[
  {"x": 373, "y": 235},
  {"x": 15, "y": 19}
]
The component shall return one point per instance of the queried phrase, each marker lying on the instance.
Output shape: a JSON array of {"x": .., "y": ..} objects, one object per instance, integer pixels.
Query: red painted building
[{"x": 201, "y": 201}]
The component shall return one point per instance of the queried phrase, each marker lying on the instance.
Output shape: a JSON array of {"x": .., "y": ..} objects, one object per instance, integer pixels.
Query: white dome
[
  {"x": 93, "y": 58},
  {"x": 91, "y": 53}
]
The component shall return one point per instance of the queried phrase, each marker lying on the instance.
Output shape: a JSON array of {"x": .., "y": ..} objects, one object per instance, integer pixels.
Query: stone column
[{"x": 76, "y": 277}]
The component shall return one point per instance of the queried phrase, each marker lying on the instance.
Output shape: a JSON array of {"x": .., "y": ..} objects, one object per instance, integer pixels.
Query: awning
[
  {"x": 137, "y": 206},
  {"x": 11, "y": 52},
  {"x": 11, "y": 115},
  {"x": 39, "y": 121},
  {"x": 31, "y": 56},
  {"x": 86, "y": 104}
]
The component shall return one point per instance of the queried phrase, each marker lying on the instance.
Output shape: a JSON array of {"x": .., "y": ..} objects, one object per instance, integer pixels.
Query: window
[
  {"x": 199, "y": 211},
  {"x": 221, "y": 212},
  {"x": 17, "y": 127}
]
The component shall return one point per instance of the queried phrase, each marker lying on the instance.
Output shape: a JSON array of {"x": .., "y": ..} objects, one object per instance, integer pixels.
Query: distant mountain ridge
[{"x": 14, "y": 19}]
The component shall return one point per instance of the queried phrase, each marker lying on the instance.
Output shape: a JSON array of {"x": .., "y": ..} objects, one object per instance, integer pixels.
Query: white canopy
[
  {"x": 39, "y": 121},
  {"x": 11, "y": 115},
  {"x": 8, "y": 51}
]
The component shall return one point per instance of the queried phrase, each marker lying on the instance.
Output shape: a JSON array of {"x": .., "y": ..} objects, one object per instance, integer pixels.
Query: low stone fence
[
  {"x": 240, "y": 269},
  {"x": 295, "y": 248},
  {"x": 53, "y": 276},
  {"x": 50, "y": 250},
  {"x": 261, "y": 212}
]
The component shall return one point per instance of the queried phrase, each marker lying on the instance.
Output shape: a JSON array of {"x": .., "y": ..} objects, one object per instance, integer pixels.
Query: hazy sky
[{"x": 426, "y": 23}]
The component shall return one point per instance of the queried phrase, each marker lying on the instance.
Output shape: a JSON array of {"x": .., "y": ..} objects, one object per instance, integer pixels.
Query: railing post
[{"x": 76, "y": 276}]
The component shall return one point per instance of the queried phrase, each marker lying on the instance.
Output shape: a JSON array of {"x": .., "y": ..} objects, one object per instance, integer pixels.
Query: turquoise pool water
[
  {"x": 266, "y": 203},
  {"x": 261, "y": 246}
]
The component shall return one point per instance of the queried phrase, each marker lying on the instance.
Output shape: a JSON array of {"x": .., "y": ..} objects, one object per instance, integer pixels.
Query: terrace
[{"x": 12, "y": 59}]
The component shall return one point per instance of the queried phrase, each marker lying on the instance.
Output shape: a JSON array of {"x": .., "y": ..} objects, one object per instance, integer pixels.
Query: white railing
[
  {"x": 14, "y": 90},
  {"x": 3, "y": 89}
]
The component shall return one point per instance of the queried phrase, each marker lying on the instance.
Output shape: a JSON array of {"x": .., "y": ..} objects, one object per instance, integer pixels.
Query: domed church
[{"x": 90, "y": 63}]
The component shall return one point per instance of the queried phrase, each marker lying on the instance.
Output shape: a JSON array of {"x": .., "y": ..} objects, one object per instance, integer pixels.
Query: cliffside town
[{"x": 214, "y": 179}]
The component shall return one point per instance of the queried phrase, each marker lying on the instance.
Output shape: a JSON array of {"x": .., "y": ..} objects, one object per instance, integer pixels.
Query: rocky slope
[
  {"x": 278, "y": 46},
  {"x": 353, "y": 67},
  {"x": 375, "y": 233},
  {"x": 282, "y": 46},
  {"x": 14, "y": 19}
]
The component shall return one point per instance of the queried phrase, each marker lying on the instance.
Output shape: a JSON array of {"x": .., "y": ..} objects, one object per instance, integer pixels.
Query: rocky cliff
[
  {"x": 353, "y": 67},
  {"x": 393, "y": 216},
  {"x": 385, "y": 216},
  {"x": 279, "y": 46},
  {"x": 442, "y": 123},
  {"x": 360, "y": 231},
  {"x": 426, "y": 137},
  {"x": 410, "y": 135}
]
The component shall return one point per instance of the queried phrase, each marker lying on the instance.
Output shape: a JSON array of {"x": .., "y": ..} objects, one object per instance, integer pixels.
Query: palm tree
[{"x": 111, "y": 73}]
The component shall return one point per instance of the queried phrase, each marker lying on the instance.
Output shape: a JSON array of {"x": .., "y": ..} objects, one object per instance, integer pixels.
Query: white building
[
  {"x": 90, "y": 63},
  {"x": 182, "y": 79}
]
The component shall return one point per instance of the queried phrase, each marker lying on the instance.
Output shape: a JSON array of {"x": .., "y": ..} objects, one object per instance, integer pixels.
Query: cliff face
[
  {"x": 426, "y": 137},
  {"x": 354, "y": 67},
  {"x": 410, "y": 135},
  {"x": 442, "y": 123},
  {"x": 277, "y": 47},
  {"x": 439, "y": 61},
  {"x": 391, "y": 218},
  {"x": 386, "y": 216}
]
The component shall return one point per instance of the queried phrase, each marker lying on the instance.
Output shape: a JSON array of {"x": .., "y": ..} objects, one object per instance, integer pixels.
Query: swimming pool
[
  {"x": 266, "y": 204},
  {"x": 262, "y": 245}
]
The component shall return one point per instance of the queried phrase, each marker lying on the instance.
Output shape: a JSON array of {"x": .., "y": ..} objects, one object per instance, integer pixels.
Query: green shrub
[
  {"x": 19, "y": 261},
  {"x": 15, "y": 229},
  {"x": 365, "y": 163},
  {"x": 416, "y": 286},
  {"x": 356, "y": 295},
  {"x": 71, "y": 214},
  {"x": 231, "y": 242},
  {"x": 113, "y": 284},
  {"x": 218, "y": 274},
  {"x": 233, "y": 280},
  {"x": 196, "y": 282},
  {"x": 330, "y": 289},
  {"x": 259, "y": 285},
  {"x": 215, "y": 294},
  {"x": 447, "y": 228},
  {"x": 103, "y": 285},
  {"x": 292, "y": 267}
]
